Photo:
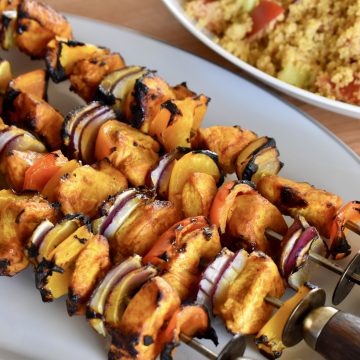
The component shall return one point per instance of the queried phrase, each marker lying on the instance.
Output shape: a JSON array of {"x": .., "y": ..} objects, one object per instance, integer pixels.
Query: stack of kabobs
[{"x": 121, "y": 206}]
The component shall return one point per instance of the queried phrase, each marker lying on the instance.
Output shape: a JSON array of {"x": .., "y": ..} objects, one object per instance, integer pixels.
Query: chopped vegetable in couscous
[{"x": 314, "y": 45}]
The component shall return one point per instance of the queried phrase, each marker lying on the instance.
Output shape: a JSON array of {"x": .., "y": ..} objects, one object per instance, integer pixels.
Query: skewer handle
[{"x": 332, "y": 333}]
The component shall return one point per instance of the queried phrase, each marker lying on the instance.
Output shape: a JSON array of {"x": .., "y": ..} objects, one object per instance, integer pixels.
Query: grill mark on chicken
[
  {"x": 18, "y": 217},
  {"x": 148, "y": 340},
  {"x": 291, "y": 198}
]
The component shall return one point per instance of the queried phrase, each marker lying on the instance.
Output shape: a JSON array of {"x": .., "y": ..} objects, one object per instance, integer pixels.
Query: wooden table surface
[{"x": 152, "y": 18}]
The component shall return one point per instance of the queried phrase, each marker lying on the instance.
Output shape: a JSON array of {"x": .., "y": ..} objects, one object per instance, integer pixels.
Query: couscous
[{"x": 314, "y": 45}]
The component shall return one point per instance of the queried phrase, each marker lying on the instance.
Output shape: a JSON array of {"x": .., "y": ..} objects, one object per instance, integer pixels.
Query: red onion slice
[
  {"x": 78, "y": 120},
  {"x": 211, "y": 277},
  {"x": 309, "y": 241},
  {"x": 81, "y": 123},
  {"x": 7, "y": 135},
  {"x": 77, "y": 115},
  {"x": 231, "y": 272},
  {"x": 289, "y": 240},
  {"x": 37, "y": 238},
  {"x": 301, "y": 243},
  {"x": 96, "y": 306},
  {"x": 89, "y": 133},
  {"x": 126, "y": 202},
  {"x": 40, "y": 232}
]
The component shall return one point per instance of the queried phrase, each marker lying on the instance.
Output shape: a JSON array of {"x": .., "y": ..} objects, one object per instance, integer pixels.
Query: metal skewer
[
  {"x": 198, "y": 346},
  {"x": 353, "y": 227},
  {"x": 233, "y": 350}
]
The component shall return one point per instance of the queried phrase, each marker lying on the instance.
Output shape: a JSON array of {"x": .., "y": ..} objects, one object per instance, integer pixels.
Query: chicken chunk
[
  {"x": 143, "y": 319},
  {"x": 248, "y": 220},
  {"x": 19, "y": 216},
  {"x": 226, "y": 141},
  {"x": 244, "y": 309},
  {"x": 317, "y": 206},
  {"x": 36, "y": 115},
  {"x": 194, "y": 250},
  {"x": 83, "y": 190},
  {"x": 37, "y": 24},
  {"x": 144, "y": 101},
  {"x": 88, "y": 73},
  {"x": 139, "y": 233},
  {"x": 91, "y": 265},
  {"x": 16, "y": 164},
  {"x": 130, "y": 151}
]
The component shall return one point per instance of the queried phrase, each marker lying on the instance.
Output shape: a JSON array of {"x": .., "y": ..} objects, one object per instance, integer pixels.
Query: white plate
[
  {"x": 32, "y": 330},
  {"x": 333, "y": 105}
]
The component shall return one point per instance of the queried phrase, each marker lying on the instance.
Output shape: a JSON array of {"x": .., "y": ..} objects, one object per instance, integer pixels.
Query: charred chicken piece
[
  {"x": 33, "y": 82},
  {"x": 128, "y": 149},
  {"x": 148, "y": 311},
  {"x": 292, "y": 198},
  {"x": 181, "y": 91},
  {"x": 226, "y": 141},
  {"x": 185, "y": 254},
  {"x": 88, "y": 73},
  {"x": 36, "y": 115},
  {"x": 91, "y": 265},
  {"x": 239, "y": 297},
  {"x": 16, "y": 164},
  {"x": 19, "y": 215},
  {"x": 85, "y": 188},
  {"x": 144, "y": 101},
  {"x": 62, "y": 56},
  {"x": 250, "y": 216},
  {"x": 191, "y": 320},
  {"x": 37, "y": 24},
  {"x": 141, "y": 230},
  {"x": 178, "y": 120}
]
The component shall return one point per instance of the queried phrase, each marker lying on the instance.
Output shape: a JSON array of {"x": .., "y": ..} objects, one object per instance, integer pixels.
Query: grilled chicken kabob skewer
[
  {"x": 301, "y": 244},
  {"x": 161, "y": 246},
  {"x": 80, "y": 238},
  {"x": 191, "y": 234}
]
